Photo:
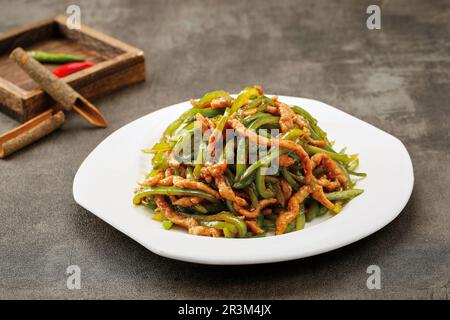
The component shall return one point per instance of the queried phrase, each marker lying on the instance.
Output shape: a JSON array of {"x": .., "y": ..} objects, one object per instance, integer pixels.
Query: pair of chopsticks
[{"x": 66, "y": 97}]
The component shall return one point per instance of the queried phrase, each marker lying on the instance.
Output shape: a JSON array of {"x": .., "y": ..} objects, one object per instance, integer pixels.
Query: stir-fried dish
[{"x": 245, "y": 167}]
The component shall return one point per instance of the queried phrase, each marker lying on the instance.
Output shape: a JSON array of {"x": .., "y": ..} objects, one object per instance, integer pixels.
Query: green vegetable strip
[
  {"x": 301, "y": 219},
  {"x": 312, "y": 212},
  {"x": 241, "y": 158},
  {"x": 333, "y": 155},
  {"x": 264, "y": 161},
  {"x": 287, "y": 175},
  {"x": 243, "y": 98},
  {"x": 344, "y": 195},
  {"x": 261, "y": 185},
  {"x": 207, "y": 98},
  {"x": 227, "y": 217},
  {"x": 171, "y": 191},
  {"x": 57, "y": 58}
]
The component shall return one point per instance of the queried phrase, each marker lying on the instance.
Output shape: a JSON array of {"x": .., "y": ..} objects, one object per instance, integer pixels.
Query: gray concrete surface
[{"x": 396, "y": 79}]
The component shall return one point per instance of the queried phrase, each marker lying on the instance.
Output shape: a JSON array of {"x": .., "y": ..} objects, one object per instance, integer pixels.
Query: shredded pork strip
[
  {"x": 285, "y": 161},
  {"x": 176, "y": 217},
  {"x": 220, "y": 103},
  {"x": 253, "y": 225},
  {"x": 187, "y": 201},
  {"x": 205, "y": 231},
  {"x": 287, "y": 117},
  {"x": 287, "y": 144},
  {"x": 256, "y": 211},
  {"x": 334, "y": 172},
  {"x": 227, "y": 192},
  {"x": 153, "y": 181},
  {"x": 286, "y": 217},
  {"x": 183, "y": 183}
]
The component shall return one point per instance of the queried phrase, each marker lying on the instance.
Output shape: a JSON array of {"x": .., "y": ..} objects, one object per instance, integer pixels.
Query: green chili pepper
[
  {"x": 200, "y": 208},
  {"x": 207, "y": 98},
  {"x": 261, "y": 185},
  {"x": 333, "y": 155},
  {"x": 206, "y": 112},
  {"x": 244, "y": 97},
  {"x": 257, "y": 116},
  {"x": 358, "y": 174},
  {"x": 159, "y": 160},
  {"x": 221, "y": 225},
  {"x": 227, "y": 217},
  {"x": 199, "y": 160},
  {"x": 287, "y": 175},
  {"x": 263, "y": 121},
  {"x": 290, "y": 227},
  {"x": 312, "y": 212},
  {"x": 171, "y": 191},
  {"x": 251, "y": 191},
  {"x": 264, "y": 161},
  {"x": 268, "y": 224},
  {"x": 344, "y": 195},
  {"x": 241, "y": 158},
  {"x": 300, "y": 221},
  {"x": 274, "y": 185},
  {"x": 292, "y": 134},
  {"x": 167, "y": 224},
  {"x": 51, "y": 57}
]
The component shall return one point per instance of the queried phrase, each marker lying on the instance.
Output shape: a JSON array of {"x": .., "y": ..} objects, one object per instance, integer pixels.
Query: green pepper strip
[
  {"x": 292, "y": 134},
  {"x": 333, "y": 155},
  {"x": 263, "y": 121},
  {"x": 244, "y": 97},
  {"x": 199, "y": 160},
  {"x": 261, "y": 185},
  {"x": 290, "y": 227},
  {"x": 264, "y": 161},
  {"x": 171, "y": 191},
  {"x": 257, "y": 116},
  {"x": 221, "y": 225},
  {"x": 227, "y": 217},
  {"x": 241, "y": 158},
  {"x": 208, "y": 97},
  {"x": 287, "y": 175},
  {"x": 274, "y": 185},
  {"x": 251, "y": 191},
  {"x": 57, "y": 58},
  {"x": 301, "y": 219},
  {"x": 312, "y": 212},
  {"x": 344, "y": 195}
]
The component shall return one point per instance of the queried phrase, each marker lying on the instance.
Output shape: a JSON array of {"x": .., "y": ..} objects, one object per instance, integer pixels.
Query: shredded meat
[
  {"x": 307, "y": 136},
  {"x": 214, "y": 169},
  {"x": 254, "y": 226},
  {"x": 176, "y": 217},
  {"x": 286, "y": 217},
  {"x": 328, "y": 184},
  {"x": 205, "y": 231},
  {"x": 285, "y": 161},
  {"x": 319, "y": 195},
  {"x": 286, "y": 188},
  {"x": 333, "y": 170},
  {"x": 255, "y": 212},
  {"x": 206, "y": 123},
  {"x": 220, "y": 103},
  {"x": 287, "y": 117},
  {"x": 186, "y": 201},
  {"x": 249, "y": 112},
  {"x": 183, "y": 183},
  {"x": 153, "y": 181},
  {"x": 227, "y": 192},
  {"x": 287, "y": 144}
]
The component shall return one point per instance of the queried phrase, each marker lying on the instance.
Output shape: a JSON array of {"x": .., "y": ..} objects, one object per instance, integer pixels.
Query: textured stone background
[{"x": 396, "y": 79}]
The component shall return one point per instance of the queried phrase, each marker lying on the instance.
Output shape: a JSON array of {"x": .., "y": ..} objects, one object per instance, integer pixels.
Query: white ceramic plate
[{"x": 105, "y": 181}]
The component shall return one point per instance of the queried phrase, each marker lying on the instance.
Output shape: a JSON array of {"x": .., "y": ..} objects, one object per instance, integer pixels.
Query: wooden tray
[{"x": 116, "y": 65}]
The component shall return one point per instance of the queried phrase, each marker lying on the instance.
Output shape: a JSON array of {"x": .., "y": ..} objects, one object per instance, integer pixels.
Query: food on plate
[{"x": 245, "y": 167}]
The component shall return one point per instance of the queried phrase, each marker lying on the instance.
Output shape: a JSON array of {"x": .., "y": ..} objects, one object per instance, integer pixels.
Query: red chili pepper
[{"x": 70, "y": 68}]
